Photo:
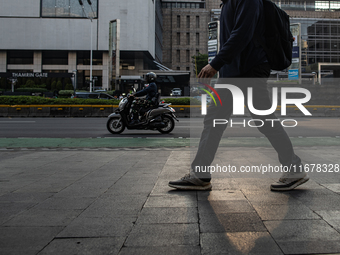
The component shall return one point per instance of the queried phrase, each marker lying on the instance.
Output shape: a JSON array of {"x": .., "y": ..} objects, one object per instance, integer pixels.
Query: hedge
[
  {"x": 182, "y": 101},
  {"x": 29, "y": 100},
  {"x": 31, "y": 90},
  {"x": 34, "y": 100}
]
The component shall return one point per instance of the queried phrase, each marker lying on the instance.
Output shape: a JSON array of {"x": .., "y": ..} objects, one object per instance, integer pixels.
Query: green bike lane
[{"x": 154, "y": 142}]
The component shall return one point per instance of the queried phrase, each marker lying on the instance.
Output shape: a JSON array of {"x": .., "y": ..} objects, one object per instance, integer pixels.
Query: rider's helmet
[{"x": 150, "y": 77}]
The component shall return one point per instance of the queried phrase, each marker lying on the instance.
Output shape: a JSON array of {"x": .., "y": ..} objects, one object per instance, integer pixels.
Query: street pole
[
  {"x": 91, "y": 55},
  {"x": 74, "y": 81},
  {"x": 91, "y": 60}
]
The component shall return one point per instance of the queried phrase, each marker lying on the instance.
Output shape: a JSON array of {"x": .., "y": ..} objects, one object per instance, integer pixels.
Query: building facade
[
  {"x": 320, "y": 30},
  {"x": 46, "y": 37},
  {"x": 185, "y": 31},
  {"x": 186, "y": 34}
]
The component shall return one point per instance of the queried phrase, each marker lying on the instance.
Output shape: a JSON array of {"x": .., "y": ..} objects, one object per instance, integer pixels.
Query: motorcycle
[{"x": 160, "y": 117}]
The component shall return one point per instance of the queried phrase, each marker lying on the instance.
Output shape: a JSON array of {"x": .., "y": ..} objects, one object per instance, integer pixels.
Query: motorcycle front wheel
[
  {"x": 170, "y": 124},
  {"x": 115, "y": 125}
]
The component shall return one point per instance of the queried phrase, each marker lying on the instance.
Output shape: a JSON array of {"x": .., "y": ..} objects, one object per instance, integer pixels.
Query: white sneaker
[{"x": 289, "y": 181}]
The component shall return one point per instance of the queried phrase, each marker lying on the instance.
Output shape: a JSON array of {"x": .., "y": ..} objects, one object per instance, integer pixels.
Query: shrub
[
  {"x": 68, "y": 86},
  {"x": 29, "y": 84}
]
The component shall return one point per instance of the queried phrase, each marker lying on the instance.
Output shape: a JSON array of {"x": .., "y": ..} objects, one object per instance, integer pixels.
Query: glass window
[
  {"x": 83, "y": 58},
  {"x": 20, "y": 57},
  {"x": 48, "y": 8},
  {"x": 68, "y": 8},
  {"x": 178, "y": 38},
  {"x": 55, "y": 57},
  {"x": 62, "y": 8},
  {"x": 188, "y": 38},
  {"x": 178, "y": 56},
  {"x": 178, "y": 21}
]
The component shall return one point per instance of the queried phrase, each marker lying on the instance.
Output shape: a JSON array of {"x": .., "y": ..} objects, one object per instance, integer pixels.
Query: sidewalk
[{"x": 116, "y": 201}]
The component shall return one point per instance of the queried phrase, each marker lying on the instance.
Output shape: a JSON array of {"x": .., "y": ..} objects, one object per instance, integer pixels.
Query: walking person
[{"x": 240, "y": 58}]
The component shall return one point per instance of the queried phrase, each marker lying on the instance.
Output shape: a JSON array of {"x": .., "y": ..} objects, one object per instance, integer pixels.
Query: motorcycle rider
[{"x": 150, "y": 91}]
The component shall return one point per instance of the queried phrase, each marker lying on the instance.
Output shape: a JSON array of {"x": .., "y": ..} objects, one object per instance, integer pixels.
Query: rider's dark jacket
[{"x": 150, "y": 91}]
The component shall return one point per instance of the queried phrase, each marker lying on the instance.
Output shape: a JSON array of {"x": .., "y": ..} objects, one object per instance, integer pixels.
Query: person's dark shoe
[
  {"x": 191, "y": 182},
  {"x": 289, "y": 181}
]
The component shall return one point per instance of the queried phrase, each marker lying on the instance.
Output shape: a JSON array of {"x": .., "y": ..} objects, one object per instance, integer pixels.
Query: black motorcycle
[{"x": 159, "y": 117}]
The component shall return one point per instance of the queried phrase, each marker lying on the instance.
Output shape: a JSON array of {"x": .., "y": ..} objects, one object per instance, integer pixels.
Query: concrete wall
[
  {"x": 19, "y": 8},
  {"x": 46, "y": 34},
  {"x": 22, "y": 28},
  {"x": 137, "y": 20}
]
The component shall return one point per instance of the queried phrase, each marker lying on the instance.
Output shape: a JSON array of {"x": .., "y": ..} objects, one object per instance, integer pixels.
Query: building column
[
  {"x": 105, "y": 73},
  {"x": 3, "y": 61},
  {"x": 72, "y": 61},
  {"x": 37, "y": 62}
]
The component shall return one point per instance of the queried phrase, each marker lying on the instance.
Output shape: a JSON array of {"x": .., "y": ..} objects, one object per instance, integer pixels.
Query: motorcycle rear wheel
[
  {"x": 115, "y": 125},
  {"x": 170, "y": 124}
]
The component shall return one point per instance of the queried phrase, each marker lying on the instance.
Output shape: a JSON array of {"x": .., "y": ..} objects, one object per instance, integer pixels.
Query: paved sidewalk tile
[
  {"x": 163, "y": 235},
  {"x": 98, "y": 201},
  {"x": 168, "y": 250},
  {"x": 243, "y": 243},
  {"x": 304, "y": 236},
  {"x": 231, "y": 222},
  {"x": 84, "y": 246},
  {"x": 26, "y": 240},
  {"x": 98, "y": 227},
  {"x": 169, "y": 215}
]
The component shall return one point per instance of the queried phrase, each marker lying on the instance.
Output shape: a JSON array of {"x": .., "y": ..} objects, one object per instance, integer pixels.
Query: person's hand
[{"x": 207, "y": 72}]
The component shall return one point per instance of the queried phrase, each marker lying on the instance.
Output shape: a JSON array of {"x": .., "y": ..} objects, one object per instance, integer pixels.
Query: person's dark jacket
[
  {"x": 150, "y": 91},
  {"x": 239, "y": 52}
]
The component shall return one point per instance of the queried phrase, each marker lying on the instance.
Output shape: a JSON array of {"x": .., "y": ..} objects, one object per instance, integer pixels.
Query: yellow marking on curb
[
  {"x": 18, "y": 109},
  {"x": 39, "y": 109},
  {"x": 60, "y": 109}
]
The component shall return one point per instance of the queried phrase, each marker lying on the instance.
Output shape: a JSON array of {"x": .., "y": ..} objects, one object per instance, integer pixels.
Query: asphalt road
[{"x": 186, "y": 128}]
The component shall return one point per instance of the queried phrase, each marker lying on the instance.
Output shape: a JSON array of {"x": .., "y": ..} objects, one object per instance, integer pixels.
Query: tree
[
  {"x": 3, "y": 83},
  {"x": 29, "y": 84},
  {"x": 54, "y": 85},
  {"x": 199, "y": 61},
  {"x": 59, "y": 86}
]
